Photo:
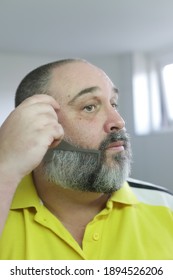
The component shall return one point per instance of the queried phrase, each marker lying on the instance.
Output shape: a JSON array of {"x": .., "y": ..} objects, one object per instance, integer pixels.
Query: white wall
[
  {"x": 12, "y": 69},
  {"x": 152, "y": 155}
]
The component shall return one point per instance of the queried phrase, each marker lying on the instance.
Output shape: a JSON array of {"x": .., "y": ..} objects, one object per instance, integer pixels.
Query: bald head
[
  {"x": 37, "y": 81},
  {"x": 72, "y": 80}
]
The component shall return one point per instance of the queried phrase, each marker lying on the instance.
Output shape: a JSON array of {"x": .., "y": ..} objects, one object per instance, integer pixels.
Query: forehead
[{"x": 67, "y": 80}]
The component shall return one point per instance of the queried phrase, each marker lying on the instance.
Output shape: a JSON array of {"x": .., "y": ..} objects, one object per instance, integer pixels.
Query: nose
[{"x": 114, "y": 121}]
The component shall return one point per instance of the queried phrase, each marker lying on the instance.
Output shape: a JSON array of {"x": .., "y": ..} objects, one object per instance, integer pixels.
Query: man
[{"x": 64, "y": 163}]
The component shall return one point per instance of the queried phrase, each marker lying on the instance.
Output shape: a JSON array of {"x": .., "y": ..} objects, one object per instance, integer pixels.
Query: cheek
[
  {"x": 86, "y": 133},
  {"x": 65, "y": 120},
  {"x": 90, "y": 136},
  {"x": 82, "y": 133}
]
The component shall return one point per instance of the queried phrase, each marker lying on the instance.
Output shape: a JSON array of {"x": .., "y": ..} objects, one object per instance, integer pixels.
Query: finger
[
  {"x": 41, "y": 98},
  {"x": 57, "y": 135}
]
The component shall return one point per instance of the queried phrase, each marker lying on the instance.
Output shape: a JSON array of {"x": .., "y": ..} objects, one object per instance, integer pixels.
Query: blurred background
[{"x": 131, "y": 40}]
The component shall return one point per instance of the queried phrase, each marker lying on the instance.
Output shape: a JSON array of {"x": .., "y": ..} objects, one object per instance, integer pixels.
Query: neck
[{"x": 75, "y": 209}]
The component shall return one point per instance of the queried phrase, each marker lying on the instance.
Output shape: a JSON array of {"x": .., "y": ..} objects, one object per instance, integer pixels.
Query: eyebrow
[{"x": 89, "y": 90}]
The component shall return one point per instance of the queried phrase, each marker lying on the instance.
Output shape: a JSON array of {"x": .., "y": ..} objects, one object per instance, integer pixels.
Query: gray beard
[{"x": 82, "y": 171}]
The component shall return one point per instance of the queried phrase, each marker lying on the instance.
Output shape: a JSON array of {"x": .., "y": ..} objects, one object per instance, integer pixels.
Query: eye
[
  {"x": 89, "y": 108},
  {"x": 115, "y": 106}
]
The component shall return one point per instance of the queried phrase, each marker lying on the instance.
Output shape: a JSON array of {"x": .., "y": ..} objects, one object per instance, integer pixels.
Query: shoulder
[{"x": 151, "y": 194}]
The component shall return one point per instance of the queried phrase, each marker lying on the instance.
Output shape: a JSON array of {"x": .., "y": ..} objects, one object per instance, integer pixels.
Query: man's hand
[
  {"x": 27, "y": 134},
  {"x": 25, "y": 137}
]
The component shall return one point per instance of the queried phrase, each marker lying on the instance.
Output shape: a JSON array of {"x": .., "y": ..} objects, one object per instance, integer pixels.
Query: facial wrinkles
[{"x": 65, "y": 87}]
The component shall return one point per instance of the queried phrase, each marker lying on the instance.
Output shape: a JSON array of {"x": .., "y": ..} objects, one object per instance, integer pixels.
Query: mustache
[{"x": 115, "y": 137}]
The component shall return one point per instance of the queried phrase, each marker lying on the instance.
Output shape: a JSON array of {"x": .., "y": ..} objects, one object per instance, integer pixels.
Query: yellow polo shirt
[{"x": 132, "y": 226}]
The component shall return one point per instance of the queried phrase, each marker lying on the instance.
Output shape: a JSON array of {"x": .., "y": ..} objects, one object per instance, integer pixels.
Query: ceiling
[{"x": 82, "y": 27}]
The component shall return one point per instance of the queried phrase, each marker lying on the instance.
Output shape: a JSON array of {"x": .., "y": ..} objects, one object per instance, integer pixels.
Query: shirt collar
[
  {"x": 26, "y": 195},
  {"x": 124, "y": 195}
]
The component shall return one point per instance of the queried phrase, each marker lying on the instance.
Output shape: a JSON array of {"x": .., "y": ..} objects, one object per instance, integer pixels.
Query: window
[
  {"x": 141, "y": 104},
  {"x": 152, "y": 94},
  {"x": 167, "y": 77}
]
